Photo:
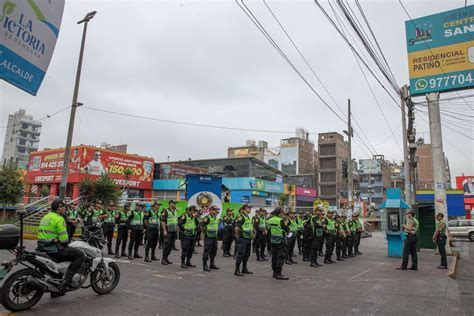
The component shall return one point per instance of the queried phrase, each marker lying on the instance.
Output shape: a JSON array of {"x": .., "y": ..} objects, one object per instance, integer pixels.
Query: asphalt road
[{"x": 366, "y": 284}]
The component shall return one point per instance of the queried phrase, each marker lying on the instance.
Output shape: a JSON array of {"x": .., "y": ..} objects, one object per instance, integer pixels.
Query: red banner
[{"x": 46, "y": 166}]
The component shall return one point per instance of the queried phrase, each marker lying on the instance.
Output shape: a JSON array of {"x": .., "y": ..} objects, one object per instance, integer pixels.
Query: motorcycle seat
[{"x": 43, "y": 254}]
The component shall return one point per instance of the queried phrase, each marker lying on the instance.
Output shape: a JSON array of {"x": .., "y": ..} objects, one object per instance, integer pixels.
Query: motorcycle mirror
[{"x": 20, "y": 209}]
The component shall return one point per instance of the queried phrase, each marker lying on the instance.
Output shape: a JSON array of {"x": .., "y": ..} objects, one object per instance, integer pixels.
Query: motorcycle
[{"x": 42, "y": 274}]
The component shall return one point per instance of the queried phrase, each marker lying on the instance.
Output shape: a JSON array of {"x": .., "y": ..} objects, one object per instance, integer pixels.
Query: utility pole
[
  {"x": 350, "y": 183},
  {"x": 439, "y": 179},
  {"x": 411, "y": 136},
  {"x": 406, "y": 165},
  {"x": 67, "y": 153}
]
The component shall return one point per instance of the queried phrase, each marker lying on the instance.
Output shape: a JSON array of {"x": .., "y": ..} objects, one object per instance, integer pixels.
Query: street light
[{"x": 75, "y": 104}]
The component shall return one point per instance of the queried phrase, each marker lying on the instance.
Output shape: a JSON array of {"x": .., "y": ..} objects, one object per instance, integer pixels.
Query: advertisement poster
[
  {"x": 29, "y": 31},
  {"x": 204, "y": 191},
  {"x": 441, "y": 51},
  {"x": 370, "y": 166},
  {"x": 178, "y": 171}
]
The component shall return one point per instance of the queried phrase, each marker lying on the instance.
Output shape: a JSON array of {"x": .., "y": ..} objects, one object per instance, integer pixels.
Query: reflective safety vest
[
  {"x": 247, "y": 227},
  {"x": 190, "y": 226},
  {"x": 352, "y": 226},
  {"x": 331, "y": 225},
  {"x": 262, "y": 222},
  {"x": 153, "y": 219},
  {"x": 277, "y": 233},
  {"x": 300, "y": 223},
  {"x": 293, "y": 226},
  {"x": 52, "y": 226},
  {"x": 123, "y": 217},
  {"x": 358, "y": 224},
  {"x": 137, "y": 219},
  {"x": 172, "y": 220},
  {"x": 340, "y": 229},
  {"x": 111, "y": 217},
  {"x": 73, "y": 214},
  {"x": 94, "y": 216},
  {"x": 212, "y": 227},
  {"x": 317, "y": 230}
]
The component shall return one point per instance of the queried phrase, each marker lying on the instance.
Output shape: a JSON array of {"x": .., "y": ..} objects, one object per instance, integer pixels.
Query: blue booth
[{"x": 394, "y": 208}]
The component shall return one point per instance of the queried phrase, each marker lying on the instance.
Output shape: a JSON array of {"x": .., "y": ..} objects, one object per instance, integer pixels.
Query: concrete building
[
  {"x": 251, "y": 149},
  {"x": 424, "y": 169},
  {"x": 375, "y": 176},
  {"x": 397, "y": 177},
  {"x": 332, "y": 151},
  {"x": 21, "y": 138}
]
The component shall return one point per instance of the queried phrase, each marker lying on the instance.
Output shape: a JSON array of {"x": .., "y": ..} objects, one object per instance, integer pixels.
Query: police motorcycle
[{"x": 39, "y": 273}]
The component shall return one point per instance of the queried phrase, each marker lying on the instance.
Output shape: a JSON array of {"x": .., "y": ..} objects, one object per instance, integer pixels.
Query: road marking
[
  {"x": 168, "y": 276},
  {"x": 365, "y": 271}
]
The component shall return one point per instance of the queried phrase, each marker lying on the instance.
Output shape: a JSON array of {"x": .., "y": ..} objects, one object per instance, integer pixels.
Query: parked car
[{"x": 462, "y": 228}]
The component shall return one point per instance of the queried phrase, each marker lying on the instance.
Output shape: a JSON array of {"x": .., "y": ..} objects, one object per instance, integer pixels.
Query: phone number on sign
[{"x": 446, "y": 81}]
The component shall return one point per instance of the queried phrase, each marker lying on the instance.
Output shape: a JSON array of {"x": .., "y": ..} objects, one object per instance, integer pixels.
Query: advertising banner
[
  {"x": 178, "y": 171},
  {"x": 441, "y": 51},
  {"x": 306, "y": 192},
  {"x": 370, "y": 166},
  {"x": 29, "y": 31},
  {"x": 204, "y": 191}
]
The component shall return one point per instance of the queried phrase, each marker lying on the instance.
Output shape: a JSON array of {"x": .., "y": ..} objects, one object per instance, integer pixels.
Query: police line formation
[{"x": 276, "y": 234}]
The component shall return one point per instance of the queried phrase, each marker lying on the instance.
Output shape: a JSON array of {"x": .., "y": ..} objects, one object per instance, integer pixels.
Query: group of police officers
[{"x": 276, "y": 234}]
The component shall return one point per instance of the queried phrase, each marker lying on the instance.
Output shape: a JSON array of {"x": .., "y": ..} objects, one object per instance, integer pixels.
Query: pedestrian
[
  {"x": 152, "y": 224},
  {"x": 329, "y": 225},
  {"x": 228, "y": 235},
  {"x": 188, "y": 225},
  {"x": 340, "y": 236},
  {"x": 279, "y": 230},
  {"x": 107, "y": 216},
  {"x": 440, "y": 238},
  {"x": 291, "y": 237},
  {"x": 136, "y": 234},
  {"x": 359, "y": 230},
  {"x": 409, "y": 248},
  {"x": 260, "y": 241},
  {"x": 169, "y": 224},
  {"x": 210, "y": 225},
  {"x": 123, "y": 225},
  {"x": 317, "y": 230},
  {"x": 243, "y": 233}
]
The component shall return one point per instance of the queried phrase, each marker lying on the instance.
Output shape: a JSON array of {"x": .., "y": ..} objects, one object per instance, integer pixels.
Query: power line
[{"x": 47, "y": 116}]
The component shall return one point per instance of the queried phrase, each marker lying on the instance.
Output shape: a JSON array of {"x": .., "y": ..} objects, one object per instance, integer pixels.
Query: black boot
[
  {"x": 117, "y": 253},
  {"x": 280, "y": 276},
  {"x": 66, "y": 282},
  {"x": 110, "y": 252},
  {"x": 339, "y": 259},
  {"x": 213, "y": 265},
  {"x": 293, "y": 261},
  {"x": 245, "y": 270},
  {"x": 153, "y": 256},
  {"x": 237, "y": 272},
  {"x": 147, "y": 259},
  {"x": 258, "y": 258},
  {"x": 327, "y": 261},
  {"x": 275, "y": 274},
  {"x": 130, "y": 257},
  {"x": 314, "y": 264},
  {"x": 205, "y": 266},
  {"x": 183, "y": 263},
  {"x": 136, "y": 255},
  {"x": 165, "y": 261},
  {"x": 123, "y": 254},
  {"x": 189, "y": 264},
  {"x": 288, "y": 262}
]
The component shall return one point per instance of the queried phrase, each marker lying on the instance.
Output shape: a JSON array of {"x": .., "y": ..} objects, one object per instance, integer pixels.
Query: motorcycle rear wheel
[
  {"x": 106, "y": 285},
  {"x": 15, "y": 285}
]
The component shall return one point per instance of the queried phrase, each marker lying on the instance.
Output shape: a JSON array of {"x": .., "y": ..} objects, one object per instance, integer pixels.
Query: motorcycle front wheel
[
  {"x": 16, "y": 294},
  {"x": 105, "y": 282}
]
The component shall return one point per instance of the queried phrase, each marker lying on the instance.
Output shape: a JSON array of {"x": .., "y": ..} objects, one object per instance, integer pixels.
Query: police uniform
[
  {"x": 358, "y": 235},
  {"x": 243, "y": 243},
  {"x": 136, "y": 235},
  {"x": 188, "y": 225},
  {"x": 299, "y": 235},
  {"x": 152, "y": 222},
  {"x": 123, "y": 224},
  {"x": 409, "y": 247},
  {"x": 308, "y": 236},
  {"x": 317, "y": 230},
  {"x": 210, "y": 226},
  {"x": 340, "y": 236},
  {"x": 279, "y": 230},
  {"x": 108, "y": 227},
  {"x": 291, "y": 240},
  {"x": 71, "y": 219},
  {"x": 441, "y": 239},
  {"x": 169, "y": 219},
  {"x": 228, "y": 235},
  {"x": 330, "y": 236},
  {"x": 260, "y": 226},
  {"x": 352, "y": 225}
]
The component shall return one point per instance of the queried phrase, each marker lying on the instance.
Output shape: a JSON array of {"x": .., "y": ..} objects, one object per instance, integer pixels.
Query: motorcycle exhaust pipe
[{"x": 35, "y": 284}]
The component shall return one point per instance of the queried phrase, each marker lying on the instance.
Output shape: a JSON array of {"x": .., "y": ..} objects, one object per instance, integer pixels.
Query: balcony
[
  {"x": 31, "y": 130},
  {"x": 32, "y": 139}
]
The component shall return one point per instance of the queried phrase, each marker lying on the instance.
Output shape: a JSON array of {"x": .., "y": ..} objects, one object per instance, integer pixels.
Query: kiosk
[{"x": 394, "y": 208}]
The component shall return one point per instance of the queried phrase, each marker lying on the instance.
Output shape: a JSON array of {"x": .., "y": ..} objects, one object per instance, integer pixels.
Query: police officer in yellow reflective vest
[
  {"x": 169, "y": 225},
  {"x": 210, "y": 225},
  {"x": 107, "y": 215},
  {"x": 278, "y": 233},
  {"x": 260, "y": 241},
  {"x": 350, "y": 240},
  {"x": 122, "y": 221},
  {"x": 152, "y": 226},
  {"x": 316, "y": 223},
  {"x": 440, "y": 237},
  {"x": 358, "y": 234},
  {"x": 136, "y": 234},
  {"x": 243, "y": 234},
  {"x": 228, "y": 235},
  {"x": 291, "y": 238},
  {"x": 188, "y": 225},
  {"x": 330, "y": 235},
  {"x": 53, "y": 239},
  {"x": 340, "y": 236}
]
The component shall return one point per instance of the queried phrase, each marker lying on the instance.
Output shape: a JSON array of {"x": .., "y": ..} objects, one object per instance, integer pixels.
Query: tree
[
  {"x": 44, "y": 191},
  {"x": 103, "y": 189},
  {"x": 11, "y": 187},
  {"x": 86, "y": 190}
]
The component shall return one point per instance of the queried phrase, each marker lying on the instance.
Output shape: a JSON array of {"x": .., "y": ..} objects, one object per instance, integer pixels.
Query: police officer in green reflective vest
[
  {"x": 243, "y": 234},
  {"x": 316, "y": 223},
  {"x": 107, "y": 215},
  {"x": 71, "y": 220},
  {"x": 152, "y": 226},
  {"x": 440, "y": 237},
  {"x": 136, "y": 234},
  {"x": 188, "y": 225},
  {"x": 228, "y": 235},
  {"x": 53, "y": 239},
  {"x": 359, "y": 230},
  {"x": 260, "y": 226},
  {"x": 210, "y": 225},
  {"x": 330, "y": 235},
  {"x": 123, "y": 223},
  {"x": 169, "y": 225},
  {"x": 340, "y": 236},
  {"x": 409, "y": 248},
  {"x": 299, "y": 235},
  {"x": 352, "y": 225},
  {"x": 278, "y": 233},
  {"x": 291, "y": 238}
]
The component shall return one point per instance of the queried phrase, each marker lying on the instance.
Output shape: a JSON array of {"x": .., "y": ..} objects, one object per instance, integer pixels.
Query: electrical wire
[{"x": 47, "y": 116}]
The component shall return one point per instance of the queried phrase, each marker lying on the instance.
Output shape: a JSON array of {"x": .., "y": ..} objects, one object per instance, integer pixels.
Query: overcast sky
[{"x": 205, "y": 62}]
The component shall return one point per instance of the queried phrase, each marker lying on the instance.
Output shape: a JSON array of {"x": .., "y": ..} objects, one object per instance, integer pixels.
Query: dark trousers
[
  {"x": 227, "y": 239},
  {"x": 74, "y": 255},
  {"x": 350, "y": 244},
  {"x": 344, "y": 247},
  {"x": 299, "y": 242},
  {"x": 135, "y": 237},
  {"x": 315, "y": 244},
  {"x": 151, "y": 241},
  {"x": 321, "y": 245},
  {"x": 169, "y": 243},
  {"x": 260, "y": 243},
  {"x": 210, "y": 248},
  {"x": 122, "y": 238},
  {"x": 108, "y": 229},
  {"x": 187, "y": 246},
  {"x": 307, "y": 241},
  {"x": 71, "y": 228},
  {"x": 279, "y": 253},
  {"x": 409, "y": 248},
  {"x": 291, "y": 242},
  {"x": 441, "y": 242},
  {"x": 339, "y": 245},
  {"x": 161, "y": 239},
  {"x": 357, "y": 242},
  {"x": 243, "y": 246},
  {"x": 330, "y": 241}
]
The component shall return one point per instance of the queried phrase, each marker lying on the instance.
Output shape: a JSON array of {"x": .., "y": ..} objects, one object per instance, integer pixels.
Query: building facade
[
  {"x": 375, "y": 176},
  {"x": 424, "y": 169},
  {"x": 21, "y": 138}
]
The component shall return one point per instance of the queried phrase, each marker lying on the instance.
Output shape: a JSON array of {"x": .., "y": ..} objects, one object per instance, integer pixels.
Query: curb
[{"x": 453, "y": 262}]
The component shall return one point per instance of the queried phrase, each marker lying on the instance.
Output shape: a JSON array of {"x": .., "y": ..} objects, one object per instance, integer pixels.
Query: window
[
  {"x": 453, "y": 224},
  {"x": 464, "y": 223}
]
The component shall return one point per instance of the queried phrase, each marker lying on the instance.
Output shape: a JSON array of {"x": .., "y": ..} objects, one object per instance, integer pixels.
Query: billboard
[
  {"x": 178, "y": 171},
  {"x": 46, "y": 166},
  {"x": 370, "y": 166},
  {"x": 29, "y": 31},
  {"x": 204, "y": 191},
  {"x": 441, "y": 51},
  {"x": 465, "y": 183}
]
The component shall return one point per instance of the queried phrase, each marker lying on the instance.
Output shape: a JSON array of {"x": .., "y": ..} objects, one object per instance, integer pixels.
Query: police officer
[
  {"x": 340, "y": 236},
  {"x": 123, "y": 223},
  {"x": 169, "y": 225},
  {"x": 71, "y": 220},
  {"x": 188, "y": 225},
  {"x": 299, "y": 235},
  {"x": 260, "y": 240},
  {"x": 307, "y": 238},
  {"x": 243, "y": 233},
  {"x": 352, "y": 225},
  {"x": 409, "y": 248},
  {"x": 330, "y": 236},
  {"x": 152, "y": 224},
  {"x": 316, "y": 224},
  {"x": 107, "y": 215},
  {"x": 358, "y": 234},
  {"x": 228, "y": 235},
  {"x": 278, "y": 230},
  {"x": 291, "y": 237},
  {"x": 136, "y": 234},
  {"x": 345, "y": 242},
  {"x": 210, "y": 225},
  {"x": 440, "y": 238}
]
